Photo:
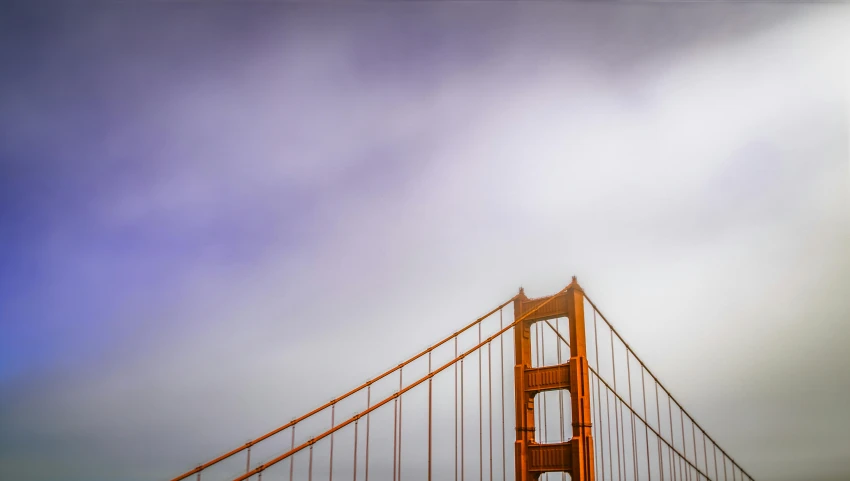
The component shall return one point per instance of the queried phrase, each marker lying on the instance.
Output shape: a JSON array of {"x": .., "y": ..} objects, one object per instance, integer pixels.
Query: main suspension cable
[
  {"x": 340, "y": 398},
  {"x": 413, "y": 385},
  {"x": 635, "y": 413},
  {"x": 628, "y": 347}
]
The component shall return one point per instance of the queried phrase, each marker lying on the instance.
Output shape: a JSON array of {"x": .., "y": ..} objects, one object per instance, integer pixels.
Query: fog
[{"x": 215, "y": 217}]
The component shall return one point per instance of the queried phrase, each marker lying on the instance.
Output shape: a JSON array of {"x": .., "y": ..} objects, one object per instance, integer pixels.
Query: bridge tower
[{"x": 576, "y": 455}]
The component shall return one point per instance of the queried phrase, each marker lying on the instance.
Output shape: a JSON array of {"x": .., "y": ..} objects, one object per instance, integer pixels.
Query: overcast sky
[{"x": 205, "y": 207}]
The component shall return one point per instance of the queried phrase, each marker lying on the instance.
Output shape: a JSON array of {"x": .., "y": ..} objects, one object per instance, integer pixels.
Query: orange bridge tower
[{"x": 576, "y": 455}]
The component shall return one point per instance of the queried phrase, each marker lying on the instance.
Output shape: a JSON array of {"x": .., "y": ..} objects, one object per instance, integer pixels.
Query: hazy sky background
[{"x": 195, "y": 197}]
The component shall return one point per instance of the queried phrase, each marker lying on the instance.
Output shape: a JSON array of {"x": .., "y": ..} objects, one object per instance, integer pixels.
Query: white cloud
[{"x": 502, "y": 180}]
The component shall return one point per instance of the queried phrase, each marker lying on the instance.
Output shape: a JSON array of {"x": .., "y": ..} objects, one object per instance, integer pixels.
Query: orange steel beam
[
  {"x": 576, "y": 455},
  {"x": 385, "y": 401}
]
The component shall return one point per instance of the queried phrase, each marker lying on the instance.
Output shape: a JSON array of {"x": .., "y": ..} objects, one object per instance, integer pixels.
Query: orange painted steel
[
  {"x": 631, "y": 409},
  {"x": 385, "y": 401},
  {"x": 576, "y": 455},
  {"x": 533, "y": 457},
  {"x": 340, "y": 398}
]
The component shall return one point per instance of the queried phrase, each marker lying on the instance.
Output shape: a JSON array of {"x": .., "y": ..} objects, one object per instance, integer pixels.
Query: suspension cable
[
  {"x": 340, "y": 398},
  {"x": 656, "y": 379},
  {"x": 644, "y": 421},
  {"x": 410, "y": 386},
  {"x": 460, "y": 358}
]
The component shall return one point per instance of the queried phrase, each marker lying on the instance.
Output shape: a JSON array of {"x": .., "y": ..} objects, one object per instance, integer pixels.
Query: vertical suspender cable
[
  {"x": 430, "y": 398},
  {"x": 714, "y": 448},
  {"x": 704, "y": 451},
  {"x": 658, "y": 417},
  {"x": 400, "y": 399},
  {"x": 694, "y": 438},
  {"x": 672, "y": 439},
  {"x": 631, "y": 404},
  {"x": 601, "y": 423},
  {"x": 622, "y": 433},
  {"x": 598, "y": 394},
  {"x": 292, "y": 458},
  {"x": 310, "y": 464},
  {"x": 502, "y": 402},
  {"x": 331, "y": 462},
  {"x": 462, "y": 426},
  {"x": 395, "y": 438},
  {"x": 490, "y": 405},
  {"x": 684, "y": 444},
  {"x": 617, "y": 412},
  {"x": 480, "y": 413},
  {"x": 368, "y": 405},
  {"x": 248, "y": 459},
  {"x": 673, "y": 465},
  {"x": 356, "y": 421},
  {"x": 645, "y": 416},
  {"x": 593, "y": 421},
  {"x": 455, "y": 365},
  {"x": 608, "y": 425}
]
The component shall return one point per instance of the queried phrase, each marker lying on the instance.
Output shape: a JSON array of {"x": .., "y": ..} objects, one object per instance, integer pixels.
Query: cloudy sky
[{"x": 204, "y": 207}]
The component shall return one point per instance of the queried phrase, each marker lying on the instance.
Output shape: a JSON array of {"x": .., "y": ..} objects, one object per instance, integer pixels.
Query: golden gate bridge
[{"x": 534, "y": 389}]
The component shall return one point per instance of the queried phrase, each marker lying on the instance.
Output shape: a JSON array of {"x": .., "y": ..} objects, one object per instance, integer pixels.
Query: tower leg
[{"x": 576, "y": 455}]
